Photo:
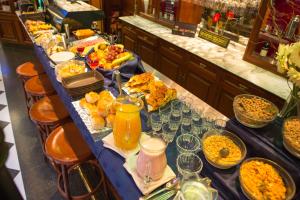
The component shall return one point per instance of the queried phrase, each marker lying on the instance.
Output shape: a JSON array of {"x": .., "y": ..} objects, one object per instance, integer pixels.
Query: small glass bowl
[
  {"x": 189, "y": 164},
  {"x": 286, "y": 177},
  {"x": 231, "y": 136},
  {"x": 188, "y": 143},
  {"x": 248, "y": 121}
]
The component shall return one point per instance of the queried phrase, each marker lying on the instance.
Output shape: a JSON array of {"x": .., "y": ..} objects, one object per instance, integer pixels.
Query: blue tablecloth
[
  {"x": 261, "y": 142},
  {"x": 111, "y": 162}
]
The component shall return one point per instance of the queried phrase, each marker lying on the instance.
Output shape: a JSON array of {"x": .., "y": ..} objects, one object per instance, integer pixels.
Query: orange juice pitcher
[{"x": 127, "y": 126}]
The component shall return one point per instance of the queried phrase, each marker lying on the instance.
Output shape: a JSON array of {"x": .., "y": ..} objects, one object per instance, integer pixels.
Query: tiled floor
[
  {"x": 38, "y": 177},
  {"x": 26, "y": 161},
  {"x": 12, "y": 162}
]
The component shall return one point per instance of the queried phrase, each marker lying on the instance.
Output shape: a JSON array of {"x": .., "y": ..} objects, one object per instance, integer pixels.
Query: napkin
[
  {"x": 130, "y": 166},
  {"x": 109, "y": 143}
]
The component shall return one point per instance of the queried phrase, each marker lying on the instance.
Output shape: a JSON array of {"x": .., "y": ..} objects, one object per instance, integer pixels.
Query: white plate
[{"x": 62, "y": 56}]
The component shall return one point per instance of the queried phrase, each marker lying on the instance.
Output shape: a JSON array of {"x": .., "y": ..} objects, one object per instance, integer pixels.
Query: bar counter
[{"x": 230, "y": 59}]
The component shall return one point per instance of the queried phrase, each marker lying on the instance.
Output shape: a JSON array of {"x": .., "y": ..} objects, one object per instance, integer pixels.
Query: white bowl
[{"x": 62, "y": 56}]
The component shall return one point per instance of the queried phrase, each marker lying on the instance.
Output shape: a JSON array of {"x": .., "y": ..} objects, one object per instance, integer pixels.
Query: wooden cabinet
[
  {"x": 11, "y": 30},
  {"x": 8, "y": 29},
  {"x": 202, "y": 79},
  {"x": 25, "y": 37},
  {"x": 170, "y": 61},
  {"x": 147, "y": 45},
  {"x": 129, "y": 37}
]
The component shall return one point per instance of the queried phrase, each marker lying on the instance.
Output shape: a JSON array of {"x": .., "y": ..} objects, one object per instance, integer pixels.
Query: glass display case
[
  {"x": 167, "y": 12},
  {"x": 147, "y": 8},
  {"x": 7, "y": 5},
  {"x": 278, "y": 22}
]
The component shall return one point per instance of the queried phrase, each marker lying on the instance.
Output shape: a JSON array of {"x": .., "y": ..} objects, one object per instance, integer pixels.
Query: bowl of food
[
  {"x": 261, "y": 178},
  {"x": 223, "y": 149},
  {"x": 253, "y": 111},
  {"x": 69, "y": 68},
  {"x": 60, "y": 56},
  {"x": 291, "y": 135}
]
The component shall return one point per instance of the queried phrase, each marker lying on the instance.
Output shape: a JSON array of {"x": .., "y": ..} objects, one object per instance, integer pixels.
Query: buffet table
[
  {"x": 260, "y": 142},
  {"x": 111, "y": 162}
]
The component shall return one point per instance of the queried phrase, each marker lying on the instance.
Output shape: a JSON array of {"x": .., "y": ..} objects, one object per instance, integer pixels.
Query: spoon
[
  {"x": 224, "y": 152},
  {"x": 170, "y": 185}
]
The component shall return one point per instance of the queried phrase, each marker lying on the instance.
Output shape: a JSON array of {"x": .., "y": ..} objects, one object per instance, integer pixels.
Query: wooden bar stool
[
  {"x": 66, "y": 147},
  {"x": 36, "y": 88},
  {"x": 26, "y": 71},
  {"x": 48, "y": 113}
]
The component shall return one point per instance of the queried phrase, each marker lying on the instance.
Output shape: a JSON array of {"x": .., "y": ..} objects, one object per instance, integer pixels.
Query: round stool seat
[
  {"x": 28, "y": 69},
  {"x": 48, "y": 110},
  {"x": 39, "y": 85},
  {"x": 66, "y": 146}
]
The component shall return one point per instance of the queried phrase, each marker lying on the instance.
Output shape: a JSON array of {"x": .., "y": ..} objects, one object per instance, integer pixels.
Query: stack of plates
[{"x": 81, "y": 84}]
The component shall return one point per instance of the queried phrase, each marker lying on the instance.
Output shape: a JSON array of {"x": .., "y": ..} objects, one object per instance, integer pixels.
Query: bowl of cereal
[
  {"x": 253, "y": 111},
  {"x": 223, "y": 149},
  {"x": 291, "y": 135},
  {"x": 261, "y": 178}
]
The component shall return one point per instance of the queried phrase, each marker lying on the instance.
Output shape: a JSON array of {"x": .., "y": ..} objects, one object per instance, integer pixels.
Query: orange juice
[{"x": 127, "y": 126}]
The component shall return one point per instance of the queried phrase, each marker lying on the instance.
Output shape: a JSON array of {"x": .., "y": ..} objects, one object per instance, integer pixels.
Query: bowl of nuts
[
  {"x": 223, "y": 149},
  {"x": 253, "y": 111},
  {"x": 291, "y": 135}
]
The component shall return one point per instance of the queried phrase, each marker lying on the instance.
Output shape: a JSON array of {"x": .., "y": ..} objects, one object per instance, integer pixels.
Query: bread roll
[
  {"x": 97, "y": 121},
  {"x": 91, "y": 97}
]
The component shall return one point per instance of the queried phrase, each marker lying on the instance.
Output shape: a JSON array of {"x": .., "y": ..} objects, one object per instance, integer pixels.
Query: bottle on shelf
[
  {"x": 264, "y": 50},
  {"x": 292, "y": 27}
]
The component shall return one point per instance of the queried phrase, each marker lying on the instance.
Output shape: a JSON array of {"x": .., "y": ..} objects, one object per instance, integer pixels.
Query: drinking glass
[
  {"x": 174, "y": 121},
  {"x": 164, "y": 113},
  {"x": 186, "y": 108},
  {"x": 220, "y": 124},
  {"x": 176, "y": 107},
  {"x": 186, "y": 117},
  {"x": 167, "y": 133},
  {"x": 209, "y": 122},
  {"x": 188, "y": 164},
  {"x": 187, "y": 143},
  {"x": 186, "y": 128},
  {"x": 156, "y": 122},
  {"x": 196, "y": 114},
  {"x": 196, "y": 128}
]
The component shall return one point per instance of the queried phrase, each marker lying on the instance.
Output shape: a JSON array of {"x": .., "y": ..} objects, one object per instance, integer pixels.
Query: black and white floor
[{"x": 12, "y": 162}]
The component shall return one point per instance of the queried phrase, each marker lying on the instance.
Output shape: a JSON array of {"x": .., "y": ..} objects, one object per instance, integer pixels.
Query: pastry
[
  {"x": 83, "y": 103},
  {"x": 97, "y": 121},
  {"x": 91, "y": 108},
  {"x": 91, "y": 97},
  {"x": 84, "y": 33}
]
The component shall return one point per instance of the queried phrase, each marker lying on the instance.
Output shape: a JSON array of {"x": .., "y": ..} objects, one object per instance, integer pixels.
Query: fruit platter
[
  {"x": 84, "y": 46},
  {"x": 108, "y": 57}
]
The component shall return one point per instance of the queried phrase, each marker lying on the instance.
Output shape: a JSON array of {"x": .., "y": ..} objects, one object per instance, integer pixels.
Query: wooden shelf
[{"x": 272, "y": 38}]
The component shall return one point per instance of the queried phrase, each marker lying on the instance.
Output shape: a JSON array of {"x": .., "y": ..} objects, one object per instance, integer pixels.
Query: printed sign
[{"x": 214, "y": 38}]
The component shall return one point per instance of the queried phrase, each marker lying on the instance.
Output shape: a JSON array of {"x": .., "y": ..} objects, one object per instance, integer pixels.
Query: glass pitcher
[
  {"x": 196, "y": 188},
  {"x": 127, "y": 125},
  {"x": 152, "y": 160}
]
